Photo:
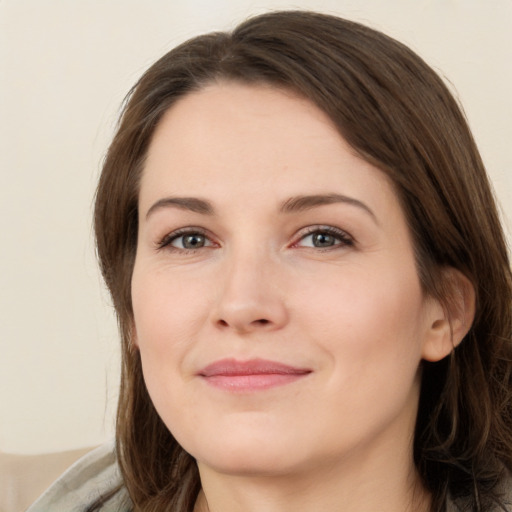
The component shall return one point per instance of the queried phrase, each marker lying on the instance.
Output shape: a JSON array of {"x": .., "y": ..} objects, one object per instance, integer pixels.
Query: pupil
[
  {"x": 193, "y": 241},
  {"x": 323, "y": 240}
]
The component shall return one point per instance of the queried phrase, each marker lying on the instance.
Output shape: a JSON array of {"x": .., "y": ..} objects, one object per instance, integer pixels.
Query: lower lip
[{"x": 252, "y": 382}]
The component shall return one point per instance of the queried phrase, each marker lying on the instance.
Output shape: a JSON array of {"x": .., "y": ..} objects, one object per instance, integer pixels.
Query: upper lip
[{"x": 233, "y": 367}]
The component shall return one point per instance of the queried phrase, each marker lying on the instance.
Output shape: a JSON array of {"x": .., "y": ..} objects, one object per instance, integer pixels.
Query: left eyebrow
[
  {"x": 192, "y": 204},
  {"x": 301, "y": 203}
]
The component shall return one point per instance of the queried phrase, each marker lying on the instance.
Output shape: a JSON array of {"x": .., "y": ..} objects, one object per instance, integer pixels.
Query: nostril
[
  {"x": 260, "y": 322},
  {"x": 242, "y": 325}
]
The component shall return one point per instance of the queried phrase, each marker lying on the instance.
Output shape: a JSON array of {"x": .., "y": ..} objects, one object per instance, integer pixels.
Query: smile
[{"x": 252, "y": 375}]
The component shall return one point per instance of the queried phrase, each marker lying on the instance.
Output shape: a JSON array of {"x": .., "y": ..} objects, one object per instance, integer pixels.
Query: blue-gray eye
[
  {"x": 325, "y": 239},
  {"x": 190, "y": 241}
]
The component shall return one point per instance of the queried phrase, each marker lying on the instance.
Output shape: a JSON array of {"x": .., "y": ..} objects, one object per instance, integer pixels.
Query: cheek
[
  {"x": 166, "y": 310},
  {"x": 166, "y": 315},
  {"x": 170, "y": 310},
  {"x": 367, "y": 319},
  {"x": 371, "y": 330}
]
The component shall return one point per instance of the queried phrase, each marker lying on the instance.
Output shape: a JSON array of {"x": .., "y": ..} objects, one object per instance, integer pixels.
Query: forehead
[
  {"x": 227, "y": 112},
  {"x": 249, "y": 138}
]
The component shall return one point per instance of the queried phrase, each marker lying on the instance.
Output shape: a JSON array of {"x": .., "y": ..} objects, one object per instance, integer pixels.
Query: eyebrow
[
  {"x": 301, "y": 203},
  {"x": 292, "y": 205},
  {"x": 192, "y": 204}
]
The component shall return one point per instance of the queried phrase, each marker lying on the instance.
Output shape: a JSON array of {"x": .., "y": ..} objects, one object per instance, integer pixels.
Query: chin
[
  {"x": 247, "y": 456},
  {"x": 252, "y": 463}
]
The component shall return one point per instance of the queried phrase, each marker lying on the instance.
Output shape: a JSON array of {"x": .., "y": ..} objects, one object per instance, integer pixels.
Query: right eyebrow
[{"x": 192, "y": 204}]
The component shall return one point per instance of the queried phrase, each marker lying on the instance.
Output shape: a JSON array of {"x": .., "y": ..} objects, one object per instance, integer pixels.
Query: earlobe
[{"x": 451, "y": 319}]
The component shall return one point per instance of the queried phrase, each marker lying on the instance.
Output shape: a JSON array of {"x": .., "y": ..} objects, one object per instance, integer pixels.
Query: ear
[{"x": 450, "y": 320}]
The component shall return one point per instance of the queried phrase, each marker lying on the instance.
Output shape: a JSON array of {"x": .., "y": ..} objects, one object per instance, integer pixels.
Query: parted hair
[{"x": 398, "y": 115}]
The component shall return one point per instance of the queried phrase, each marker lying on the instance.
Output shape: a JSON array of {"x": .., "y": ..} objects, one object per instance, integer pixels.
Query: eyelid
[
  {"x": 343, "y": 237},
  {"x": 346, "y": 240},
  {"x": 166, "y": 241}
]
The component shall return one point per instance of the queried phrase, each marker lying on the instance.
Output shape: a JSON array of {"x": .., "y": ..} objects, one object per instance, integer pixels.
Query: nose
[{"x": 250, "y": 298}]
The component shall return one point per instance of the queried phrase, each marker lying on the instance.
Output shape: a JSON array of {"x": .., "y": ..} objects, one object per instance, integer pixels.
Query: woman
[{"x": 311, "y": 282}]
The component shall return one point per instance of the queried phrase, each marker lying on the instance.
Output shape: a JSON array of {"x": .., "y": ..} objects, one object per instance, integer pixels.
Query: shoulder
[
  {"x": 503, "y": 493},
  {"x": 93, "y": 476}
]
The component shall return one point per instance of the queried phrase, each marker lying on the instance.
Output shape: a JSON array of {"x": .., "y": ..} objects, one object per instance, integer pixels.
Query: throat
[{"x": 242, "y": 495}]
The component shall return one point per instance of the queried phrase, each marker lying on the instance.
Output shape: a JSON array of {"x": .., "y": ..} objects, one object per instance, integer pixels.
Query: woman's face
[{"x": 277, "y": 307}]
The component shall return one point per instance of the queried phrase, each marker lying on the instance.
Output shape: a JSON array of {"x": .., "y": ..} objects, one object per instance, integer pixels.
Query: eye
[
  {"x": 325, "y": 238},
  {"x": 188, "y": 240},
  {"x": 192, "y": 241}
]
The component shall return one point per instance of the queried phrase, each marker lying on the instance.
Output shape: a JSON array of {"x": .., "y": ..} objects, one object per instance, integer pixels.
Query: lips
[{"x": 252, "y": 375}]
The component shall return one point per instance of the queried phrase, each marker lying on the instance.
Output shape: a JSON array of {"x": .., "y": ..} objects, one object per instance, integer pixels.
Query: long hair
[{"x": 397, "y": 114}]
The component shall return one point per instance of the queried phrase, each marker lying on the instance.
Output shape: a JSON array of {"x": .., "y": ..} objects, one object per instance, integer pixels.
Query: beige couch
[{"x": 23, "y": 478}]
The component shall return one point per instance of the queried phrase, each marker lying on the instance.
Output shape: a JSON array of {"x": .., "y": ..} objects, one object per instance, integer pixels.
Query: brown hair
[{"x": 399, "y": 116}]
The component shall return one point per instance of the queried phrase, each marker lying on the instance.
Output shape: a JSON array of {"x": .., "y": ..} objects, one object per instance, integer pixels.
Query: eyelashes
[
  {"x": 319, "y": 238},
  {"x": 186, "y": 239},
  {"x": 324, "y": 237}
]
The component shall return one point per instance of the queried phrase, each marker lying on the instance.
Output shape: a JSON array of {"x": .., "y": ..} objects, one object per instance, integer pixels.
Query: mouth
[{"x": 252, "y": 375}]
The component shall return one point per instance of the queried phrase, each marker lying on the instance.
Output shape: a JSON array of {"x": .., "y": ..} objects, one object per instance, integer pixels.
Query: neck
[{"x": 353, "y": 488}]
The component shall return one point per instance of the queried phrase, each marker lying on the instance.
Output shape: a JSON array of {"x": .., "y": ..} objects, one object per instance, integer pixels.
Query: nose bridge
[
  {"x": 245, "y": 263},
  {"x": 250, "y": 297}
]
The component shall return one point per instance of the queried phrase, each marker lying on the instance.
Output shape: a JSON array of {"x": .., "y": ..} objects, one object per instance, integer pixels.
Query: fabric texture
[
  {"x": 97, "y": 474},
  {"x": 504, "y": 491},
  {"x": 90, "y": 478}
]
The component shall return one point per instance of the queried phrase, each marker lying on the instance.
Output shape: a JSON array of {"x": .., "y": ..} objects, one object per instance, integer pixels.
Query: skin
[{"x": 256, "y": 285}]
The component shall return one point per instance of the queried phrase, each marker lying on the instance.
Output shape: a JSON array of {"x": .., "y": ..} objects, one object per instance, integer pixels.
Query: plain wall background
[{"x": 65, "y": 66}]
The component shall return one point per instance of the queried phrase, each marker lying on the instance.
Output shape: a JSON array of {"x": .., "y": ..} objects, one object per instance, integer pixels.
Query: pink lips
[{"x": 252, "y": 375}]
